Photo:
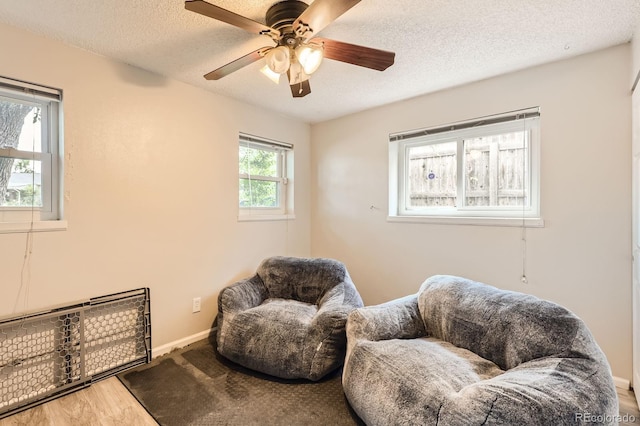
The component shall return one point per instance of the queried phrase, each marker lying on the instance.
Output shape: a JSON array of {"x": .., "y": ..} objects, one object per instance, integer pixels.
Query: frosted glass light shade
[
  {"x": 278, "y": 59},
  {"x": 310, "y": 57},
  {"x": 273, "y": 76}
]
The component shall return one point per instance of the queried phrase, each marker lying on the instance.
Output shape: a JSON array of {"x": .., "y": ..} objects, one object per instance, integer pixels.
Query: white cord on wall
[
  {"x": 525, "y": 147},
  {"x": 25, "y": 271}
]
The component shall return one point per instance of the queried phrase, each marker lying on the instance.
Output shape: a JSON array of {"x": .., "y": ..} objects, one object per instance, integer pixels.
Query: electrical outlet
[{"x": 196, "y": 304}]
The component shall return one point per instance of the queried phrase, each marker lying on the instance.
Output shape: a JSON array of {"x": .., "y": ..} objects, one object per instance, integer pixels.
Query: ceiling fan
[{"x": 293, "y": 26}]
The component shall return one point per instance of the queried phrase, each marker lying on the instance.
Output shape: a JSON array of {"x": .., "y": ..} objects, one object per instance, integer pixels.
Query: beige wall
[
  {"x": 151, "y": 182},
  {"x": 635, "y": 72},
  {"x": 635, "y": 48},
  {"x": 580, "y": 259}
]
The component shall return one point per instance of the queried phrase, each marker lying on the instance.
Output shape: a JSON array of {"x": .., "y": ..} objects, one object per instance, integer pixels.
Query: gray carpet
[{"x": 196, "y": 386}]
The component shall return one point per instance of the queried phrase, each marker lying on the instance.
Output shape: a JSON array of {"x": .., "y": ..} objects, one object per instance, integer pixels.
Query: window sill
[
  {"x": 264, "y": 217},
  {"x": 39, "y": 226},
  {"x": 529, "y": 222}
]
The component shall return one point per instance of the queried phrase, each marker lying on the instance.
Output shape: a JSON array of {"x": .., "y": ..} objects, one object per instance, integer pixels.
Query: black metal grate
[{"x": 48, "y": 354}]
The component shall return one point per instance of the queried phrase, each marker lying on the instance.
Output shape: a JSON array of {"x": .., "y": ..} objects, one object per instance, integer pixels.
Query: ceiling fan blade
[
  {"x": 319, "y": 14},
  {"x": 224, "y": 15},
  {"x": 356, "y": 55},
  {"x": 237, "y": 64}
]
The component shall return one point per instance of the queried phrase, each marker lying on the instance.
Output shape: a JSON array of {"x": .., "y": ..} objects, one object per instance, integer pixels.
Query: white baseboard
[
  {"x": 621, "y": 383},
  {"x": 180, "y": 343}
]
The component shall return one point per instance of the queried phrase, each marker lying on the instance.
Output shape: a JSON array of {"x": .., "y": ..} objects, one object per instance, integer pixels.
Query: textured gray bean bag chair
[
  {"x": 465, "y": 353},
  {"x": 288, "y": 320}
]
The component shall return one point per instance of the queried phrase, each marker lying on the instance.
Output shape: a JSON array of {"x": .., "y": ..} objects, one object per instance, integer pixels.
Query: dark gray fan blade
[
  {"x": 237, "y": 64},
  {"x": 224, "y": 15},
  {"x": 319, "y": 14},
  {"x": 356, "y": 55}
]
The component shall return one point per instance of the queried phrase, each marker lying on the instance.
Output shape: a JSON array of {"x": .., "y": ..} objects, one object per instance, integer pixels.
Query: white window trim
[
  {"x": 264, "y": 217},
  {"x": 49, "y": 216},
  {"x": 474, "y": 221},
  {"x": 515, "y": 216},
  {"x": 36, "y": 226},
  {"x": 285, "y": 188}
]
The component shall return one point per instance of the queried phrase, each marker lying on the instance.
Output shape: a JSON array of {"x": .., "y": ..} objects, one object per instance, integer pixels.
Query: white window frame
[
  {"x": 400, "y": 143},
  {"x": 48, "y": 217},
  {"x": 284, "y": 151}
]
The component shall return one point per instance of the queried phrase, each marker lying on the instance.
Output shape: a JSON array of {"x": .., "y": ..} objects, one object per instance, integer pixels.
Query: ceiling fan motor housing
[{"x": 281, "y": 16}]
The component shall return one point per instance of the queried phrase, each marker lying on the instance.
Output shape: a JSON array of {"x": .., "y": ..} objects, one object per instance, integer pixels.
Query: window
[
  {"x": 29, "y": 152},
  {"x": 264, "y": 186},
  {"x": 486, "y": 169}
]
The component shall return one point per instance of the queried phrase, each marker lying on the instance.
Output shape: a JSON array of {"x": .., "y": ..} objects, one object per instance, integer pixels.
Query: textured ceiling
[{"x": 438, "y": 43}]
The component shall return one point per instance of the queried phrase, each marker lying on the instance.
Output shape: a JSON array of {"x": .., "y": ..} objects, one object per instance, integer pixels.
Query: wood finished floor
[
  {"x": 105, "y": 403},
  {"x": 108, "y": 403},
  {"x": 628, "y": 406}
]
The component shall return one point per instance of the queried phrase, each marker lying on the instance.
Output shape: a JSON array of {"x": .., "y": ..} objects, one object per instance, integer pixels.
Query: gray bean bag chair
[
  {"x": 465, "y": 353},
  {"x": 288, "y": 320}
]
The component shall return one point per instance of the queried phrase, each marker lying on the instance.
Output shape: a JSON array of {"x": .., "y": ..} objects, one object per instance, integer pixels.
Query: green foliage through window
[
  {"x": 260, "y": 177},
  {"x": 258, "y": 162},
  {"x": 256, "y": 193}
]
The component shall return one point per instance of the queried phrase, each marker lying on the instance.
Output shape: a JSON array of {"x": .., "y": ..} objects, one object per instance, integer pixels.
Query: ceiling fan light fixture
[
  {"x": 273, "y": 76},
  {"x": 278, "y": 59},
  {"x": 310, "y": 57},
  {"x": 292, "y": 26}
]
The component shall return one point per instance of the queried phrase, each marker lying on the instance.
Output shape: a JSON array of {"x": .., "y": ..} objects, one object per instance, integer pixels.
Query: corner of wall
[{"x": 635, "y": 56}]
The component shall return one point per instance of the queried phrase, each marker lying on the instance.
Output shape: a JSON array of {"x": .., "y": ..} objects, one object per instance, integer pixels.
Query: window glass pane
[
  {"x": 432, "y": 175},
  {"x": 258, "y": 193},
  {"x": 258, "y": 162},
  {"x": 20, "y": 183},
  {"x": 20, "y": 125},
  {"x": 30, "y": 167},
  {"x": 473, "y": 169},
  {"x": 496, "y": 170}
]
